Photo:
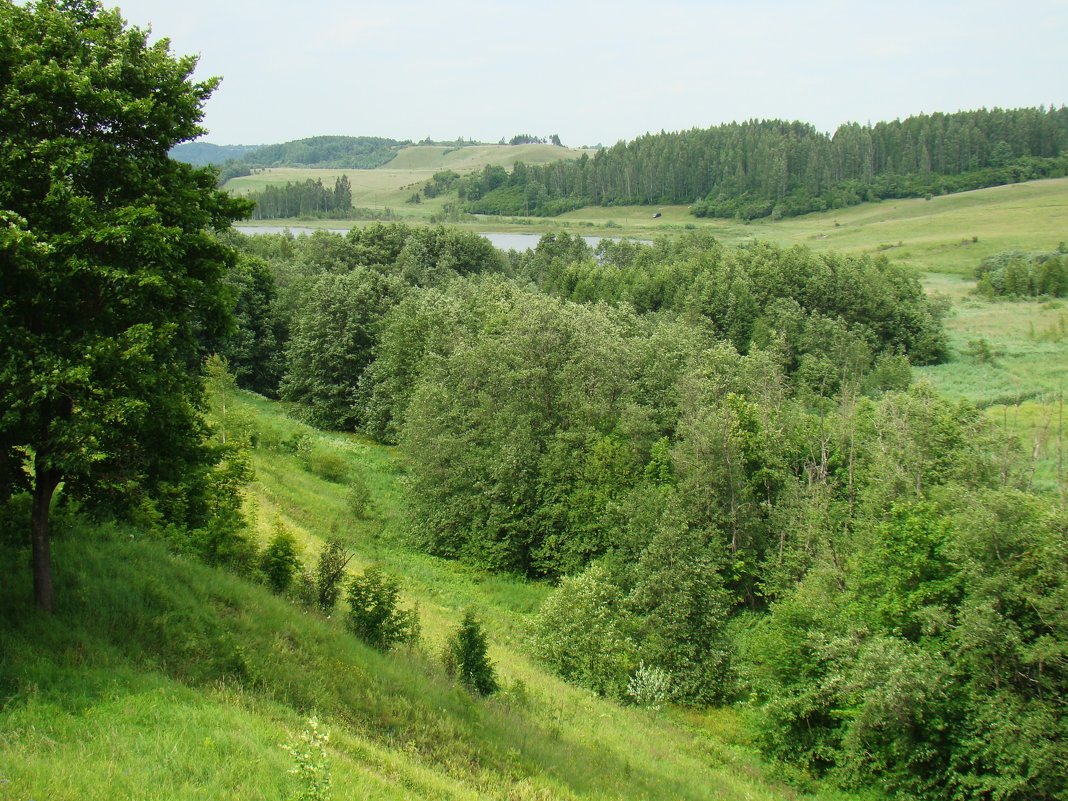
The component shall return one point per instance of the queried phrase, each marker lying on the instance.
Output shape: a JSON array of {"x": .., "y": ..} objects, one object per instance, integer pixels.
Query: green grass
[
  {"x": 931, "y": 235},
  {"x": 160, "y": 677},
  {"x": 1024, "y": 377}
]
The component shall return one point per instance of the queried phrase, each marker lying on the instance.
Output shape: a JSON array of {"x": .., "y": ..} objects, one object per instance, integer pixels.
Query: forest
[
  {"x": 700, "y": 481},
  {"x": 774, "y": 168},
  {"x": 721, "y": 459},
  {"x": 304, "y": 199}
]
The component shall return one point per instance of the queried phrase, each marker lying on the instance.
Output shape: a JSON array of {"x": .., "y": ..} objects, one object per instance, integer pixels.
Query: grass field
[{"x": 162, "y": 678}]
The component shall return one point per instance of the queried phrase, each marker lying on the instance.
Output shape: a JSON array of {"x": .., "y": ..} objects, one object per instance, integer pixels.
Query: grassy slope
[
  {"x": 934, "y": 235},
  {"x": 162, "y": 678},
  {"x": 393, "y": 183}
]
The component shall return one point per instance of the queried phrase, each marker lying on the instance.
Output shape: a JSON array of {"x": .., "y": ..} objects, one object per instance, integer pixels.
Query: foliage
[
  {"x": 331, "y": 343},
  {"x": 253, "y": 346},
  {"x": 893, "y": 678},
  {"x": 329, "y": 575},
  {"x": 466, "y": 656},
  {"x": 201, "y": 154},
  {"x": 306, "y": 199},
  {"x": 359, "y": 497},
  {"x": 584, "y": 632},
  {"x": 1019, "y": 274},
  {"x": 775, "y": 168},
  {"x": 374, "y": 615},
  {"x": 359, "y": 152},
  {"x": 111, "y": 278},
  {"x": 280, "y": 561},
  {"x": 649, "y": 686}
]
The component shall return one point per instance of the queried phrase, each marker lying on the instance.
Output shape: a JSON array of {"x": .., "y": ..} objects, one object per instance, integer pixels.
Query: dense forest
[
  {"x": 202, "y": 154},
  {"x": 776, "y": 168},
  {"x": 721, "y": 457}
]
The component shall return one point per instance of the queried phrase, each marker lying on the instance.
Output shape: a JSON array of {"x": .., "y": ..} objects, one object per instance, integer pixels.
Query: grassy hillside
[
  {"x": 161, "y": 678},
  {"x": 422, "y": 157},
  {"x": 390, "y": 185},
  {"x": 932, "y": 235}
]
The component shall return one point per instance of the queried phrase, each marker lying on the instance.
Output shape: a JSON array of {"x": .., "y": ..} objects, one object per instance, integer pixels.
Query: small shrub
[
  {"x": 304, "y": 591},
  {"x": 649, "y": 686},
  {"x": 980, "y": 351},
  {"x": 465, "y": 657},
  {"x": 328, "y": 465},
  {"x": 280, "y": 561},
  {"x": 312, "y": 768},
  {"x": 374, "y": 614},
  {"x": 328, "y": 575},
  {"x": 299, "y": 444},
  {"x": 359, "y": 496}
]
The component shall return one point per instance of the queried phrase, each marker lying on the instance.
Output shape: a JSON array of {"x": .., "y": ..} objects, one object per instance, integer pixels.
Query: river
[{"x": 500, "y": 241}]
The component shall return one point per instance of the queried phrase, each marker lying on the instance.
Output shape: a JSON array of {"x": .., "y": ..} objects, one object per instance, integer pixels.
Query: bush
[
  {"x": 328, "y": 575},
  {"x": 328, "y": 465},
  {"x": 584, "y": 633},
  {"x": 280, "y": 562},
  {"x": 649, "y": 686},
  {"x": 374, "y": 616},
  {"x": 359, "y": 496},
  {"x": 466, "y": 657}
]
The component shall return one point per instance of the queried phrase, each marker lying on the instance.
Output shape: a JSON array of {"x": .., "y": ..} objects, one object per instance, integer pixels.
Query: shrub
[
  {"x": 328, "y": 465},
  {"x": 359, "y": 496},
  {"x": 584, "y": 632},
  {"x": 328, "y": 575},
  {"x": 304, "y": 590},
  {"x": 649, "y": 686},
  {"x": 374, "y": 615},
  {"x": 466, "y": 657},
  {"x": 280, "y": 562}
]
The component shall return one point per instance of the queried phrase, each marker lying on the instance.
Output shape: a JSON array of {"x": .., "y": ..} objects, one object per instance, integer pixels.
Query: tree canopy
[{"x": 111, "y": 278}]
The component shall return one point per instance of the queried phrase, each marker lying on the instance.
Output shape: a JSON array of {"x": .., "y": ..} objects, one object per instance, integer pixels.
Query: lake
[{"x": 500, "y": 241}]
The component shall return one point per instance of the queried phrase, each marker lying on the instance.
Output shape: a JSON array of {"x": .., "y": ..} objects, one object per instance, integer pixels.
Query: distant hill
[
  {"x": 201, "y": 154},
  {"x": 337, "y": 152}
]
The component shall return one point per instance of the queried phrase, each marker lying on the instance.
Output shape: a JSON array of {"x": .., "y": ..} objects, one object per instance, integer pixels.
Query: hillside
[
  {"x": 204, "y": 153},
  {"x": 392, "y": 184},
  {"x": 223, "y": 673}
]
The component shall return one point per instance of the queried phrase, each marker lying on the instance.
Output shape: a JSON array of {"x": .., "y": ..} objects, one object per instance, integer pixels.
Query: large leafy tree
[{"x": 110, "y": 277}]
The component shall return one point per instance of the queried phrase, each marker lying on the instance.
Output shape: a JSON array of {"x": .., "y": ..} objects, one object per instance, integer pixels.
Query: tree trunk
[{"x": 44, "y": 487}]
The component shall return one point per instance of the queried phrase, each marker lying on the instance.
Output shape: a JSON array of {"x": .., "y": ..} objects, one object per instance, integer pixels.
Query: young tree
[
  {"x": 110, "y": 277},
  {"x": 374, "y": 614},
  {"x": 466, "y": 656}
]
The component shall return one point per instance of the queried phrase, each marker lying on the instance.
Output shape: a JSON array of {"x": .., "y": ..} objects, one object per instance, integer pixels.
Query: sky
[{"x": 599, "y": 72}]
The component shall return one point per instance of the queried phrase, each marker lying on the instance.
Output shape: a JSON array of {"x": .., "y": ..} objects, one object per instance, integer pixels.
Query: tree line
[
  {"x": 303, "y": 199},
  {"x": 766, "y": 168}
]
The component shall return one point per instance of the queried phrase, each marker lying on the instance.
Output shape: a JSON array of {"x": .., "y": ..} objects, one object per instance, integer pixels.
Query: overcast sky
[{"x": 598, "y": 72}]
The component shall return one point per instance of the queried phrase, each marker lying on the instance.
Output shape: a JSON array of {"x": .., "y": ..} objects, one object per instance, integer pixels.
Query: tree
[
  {"x": 333, "y": 337},
  {"x": 280, "y": 561},
  {"x": 110, "y": 275},
  {"x": 374, "y": 614},
  {"x": 466, "y": 656}
]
